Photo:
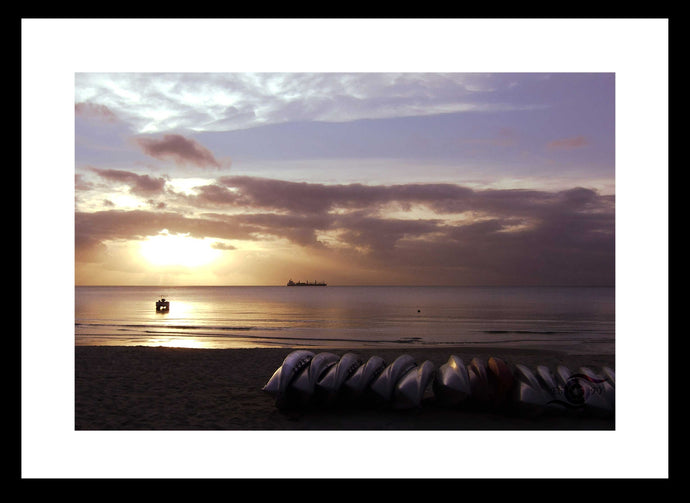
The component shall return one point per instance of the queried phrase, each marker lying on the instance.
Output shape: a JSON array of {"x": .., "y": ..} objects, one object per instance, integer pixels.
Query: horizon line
[{"x": 358, "y": 285}]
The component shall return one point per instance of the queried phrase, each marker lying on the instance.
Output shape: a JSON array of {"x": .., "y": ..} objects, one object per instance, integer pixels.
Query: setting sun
[{"x": 180, "y": 249}]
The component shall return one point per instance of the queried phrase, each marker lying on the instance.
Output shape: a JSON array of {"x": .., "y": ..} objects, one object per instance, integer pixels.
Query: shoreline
[{"x": 166, "y": 388}]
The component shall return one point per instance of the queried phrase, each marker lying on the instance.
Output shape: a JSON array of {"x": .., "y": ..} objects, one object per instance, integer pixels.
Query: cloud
[
  {"x": 95, "y": 110},
  {"x": 507, "y": 236},
  {"x": 308, "y": 198},
  {"x": 222, "y": 246},
  {"x": 264, "y": 194},
  {"x": 213, "y": 102},
  {"x": 139, "y": 184},
  {"x": 109, "y": 225},
  {"x": 80, "y": 183},
  {"x": 179, "y": 149},
  {"x": 215, "y": 195}
]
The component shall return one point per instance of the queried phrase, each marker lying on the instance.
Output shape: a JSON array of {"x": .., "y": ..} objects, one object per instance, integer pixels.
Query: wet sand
[{"x": 145, "y": 388}]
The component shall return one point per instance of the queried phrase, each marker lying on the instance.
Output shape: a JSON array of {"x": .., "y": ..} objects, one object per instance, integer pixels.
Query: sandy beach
[{"x": 154, "y": 388}]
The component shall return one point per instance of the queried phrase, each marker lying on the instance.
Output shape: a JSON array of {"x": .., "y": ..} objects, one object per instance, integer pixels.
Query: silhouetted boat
[
  {"x": 301, "y": 283},
  {"x": 162, "y": 305}
]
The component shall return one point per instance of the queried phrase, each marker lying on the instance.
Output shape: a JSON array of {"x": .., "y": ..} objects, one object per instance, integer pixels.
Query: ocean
[{"x": 572, "y": 319}]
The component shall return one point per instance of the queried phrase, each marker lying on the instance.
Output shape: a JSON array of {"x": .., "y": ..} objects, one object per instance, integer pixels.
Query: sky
[{"x": 361, "y": 178}]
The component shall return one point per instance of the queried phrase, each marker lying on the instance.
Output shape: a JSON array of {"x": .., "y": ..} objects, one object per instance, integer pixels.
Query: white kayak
[
  {"x": 339, "y": 373},
  {"x": 531, "y": 397},
  {"x": 610, "y": 375},
  {"x": 585, "y": 391},
  {"x": 410, "y": 389},
  {"x": 452, "y": 382},
  {"x": 550, "y": 384},
  {"x": 547, "y": 379},
  {"x": 358, "y": 383},
  {"x": 304, "y": 385},
  {"x": 308, "y": 378},
  {"x": 562, "y": 375},
  {"x": 329, "y": 386},
  {"x": 600, "y": 399},
  {"x": 384, "y": 384},
  {"x": 292, "y": 365}
]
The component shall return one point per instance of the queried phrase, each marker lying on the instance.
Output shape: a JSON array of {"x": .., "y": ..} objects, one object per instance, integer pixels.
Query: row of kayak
[{"x": 307, "y": 379}]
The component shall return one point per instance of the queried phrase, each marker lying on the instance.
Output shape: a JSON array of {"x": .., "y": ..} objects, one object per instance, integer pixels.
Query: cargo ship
[{"x": 301, "y": 283}]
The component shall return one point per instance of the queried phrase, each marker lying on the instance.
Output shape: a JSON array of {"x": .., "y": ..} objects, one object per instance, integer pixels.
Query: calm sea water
[{"x": 577, "y": 319}]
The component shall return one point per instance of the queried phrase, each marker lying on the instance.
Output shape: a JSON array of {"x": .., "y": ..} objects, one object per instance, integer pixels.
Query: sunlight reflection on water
[
  {"x": 177, "y": 343},
  {"x": 235, "y": 317}
]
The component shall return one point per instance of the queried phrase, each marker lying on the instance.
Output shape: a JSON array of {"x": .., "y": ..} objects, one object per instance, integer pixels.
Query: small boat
[{"x": 162, "y": 305}]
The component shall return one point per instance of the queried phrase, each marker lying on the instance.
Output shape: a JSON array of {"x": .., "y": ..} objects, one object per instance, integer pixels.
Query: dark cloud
[
  {"x": 138, "y": 224},
  {"x": 303, "y": 198},
  {"x": 559, "y": 249},
  {"x": 222, "y": 246},
  {"x": 179, "y": 149},
  {"x": 139, "y": 184},
  {"x": 88, "y": 248},
  {"x": 381, "y": 235},
  {"x": 313, "y": 198},
  {"x": 216, "y": 195},
  {"x": 497, "y": 236}
]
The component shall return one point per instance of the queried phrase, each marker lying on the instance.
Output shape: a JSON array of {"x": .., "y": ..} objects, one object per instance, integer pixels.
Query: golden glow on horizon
[{"x": 167, "y": 249}]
